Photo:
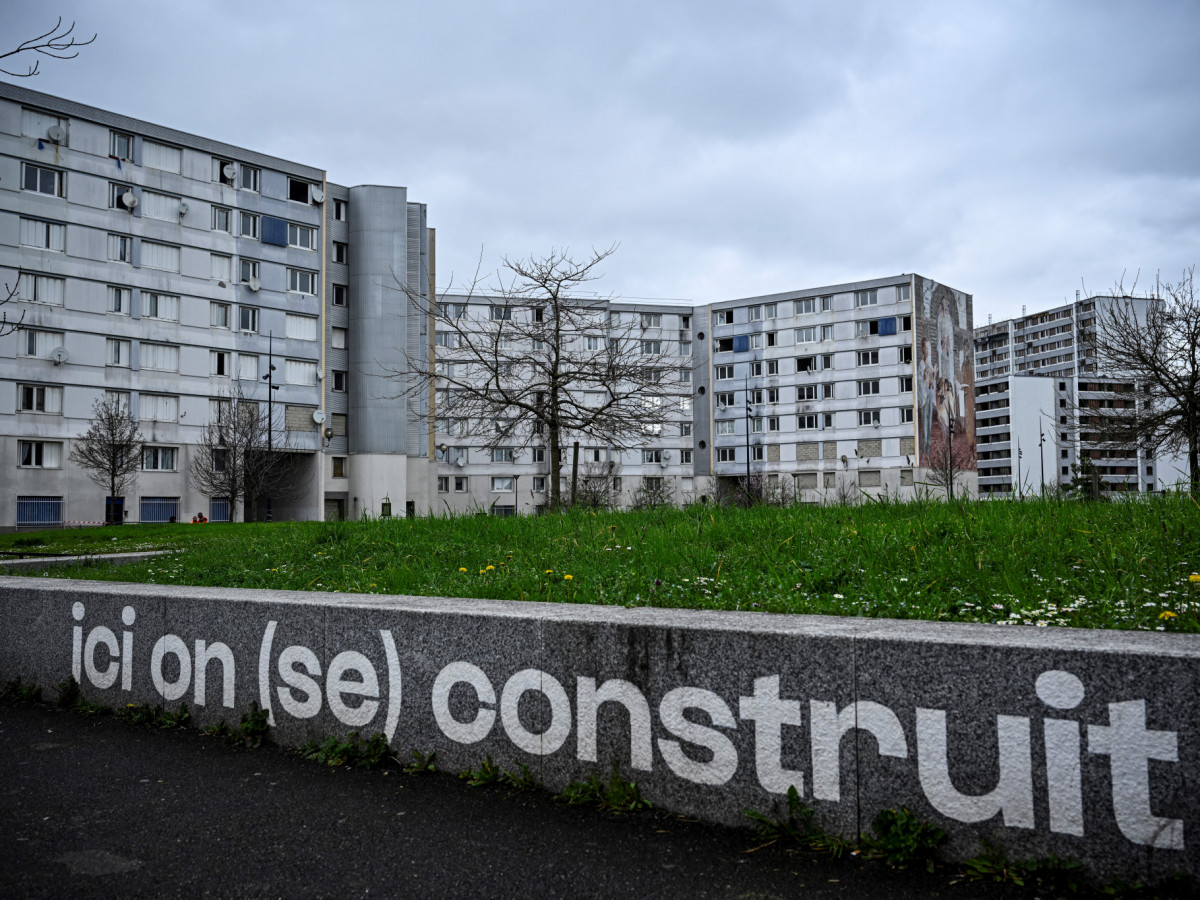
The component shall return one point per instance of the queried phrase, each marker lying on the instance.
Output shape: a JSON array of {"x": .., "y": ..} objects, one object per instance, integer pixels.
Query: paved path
[{"x": 92, "y": 807}]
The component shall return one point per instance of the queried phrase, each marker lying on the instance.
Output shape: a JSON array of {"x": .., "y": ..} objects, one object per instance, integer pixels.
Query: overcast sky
[{"x": 1016, "y": 151}]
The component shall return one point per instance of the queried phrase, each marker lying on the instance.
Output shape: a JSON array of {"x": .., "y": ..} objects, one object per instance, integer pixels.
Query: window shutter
[
  {"x": 274, "y": 231},
  {"x": 741, "y": 343},
  {"x": 887, "y": 326}
]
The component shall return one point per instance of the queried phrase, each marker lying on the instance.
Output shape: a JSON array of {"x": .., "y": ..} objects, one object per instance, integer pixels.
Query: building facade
[
  {"x": 1036, "y": 378},
  {"x": 181, "y": 275}
]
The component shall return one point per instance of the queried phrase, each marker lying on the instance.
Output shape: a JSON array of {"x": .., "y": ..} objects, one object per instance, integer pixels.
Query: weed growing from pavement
[
  {"x": 616, "y": 794},
  {"x": 353, "y": 751},
  {"x": 490, "y": 773},
  {"x": 1123, "y": 564},
  {"x": 798, "y": 825},
  {"x": 901, "y": 839},
  {"x": 422, "y": 763}
]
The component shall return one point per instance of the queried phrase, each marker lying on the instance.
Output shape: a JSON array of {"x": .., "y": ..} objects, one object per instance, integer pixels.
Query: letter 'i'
[
  {"x": 77, "y": 612},
  {"x": 1062, "y": 690},
  {"x": 128, "y": 616}
]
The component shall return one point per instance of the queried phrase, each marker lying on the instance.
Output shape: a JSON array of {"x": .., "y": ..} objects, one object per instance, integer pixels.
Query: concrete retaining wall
[{"x": 1079, "y": 743}]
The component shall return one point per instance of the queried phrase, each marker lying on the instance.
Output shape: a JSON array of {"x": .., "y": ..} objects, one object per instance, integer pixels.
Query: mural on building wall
[{"x": 944, "y": 348}]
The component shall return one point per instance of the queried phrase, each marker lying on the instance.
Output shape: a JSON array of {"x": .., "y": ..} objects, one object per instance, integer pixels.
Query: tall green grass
[{"x": 1097, "y": 565}]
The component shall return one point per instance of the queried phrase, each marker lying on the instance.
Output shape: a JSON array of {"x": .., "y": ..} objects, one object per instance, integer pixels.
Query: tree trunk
[{"x": 555, "y": 468}]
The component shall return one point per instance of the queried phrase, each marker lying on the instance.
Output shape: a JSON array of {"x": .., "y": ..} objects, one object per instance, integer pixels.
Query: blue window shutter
[
  {"x": 887, "y": 326},
  {"x": 741, "y": 343},
  {"x": 274, "y": 231}
]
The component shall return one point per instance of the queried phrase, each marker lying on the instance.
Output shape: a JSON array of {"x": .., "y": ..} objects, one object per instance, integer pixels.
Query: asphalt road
[{"x": 93, "y": 807}]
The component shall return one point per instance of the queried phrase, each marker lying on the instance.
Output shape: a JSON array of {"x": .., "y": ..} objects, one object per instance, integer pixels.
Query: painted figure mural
[{"x": 945, "y": 372}]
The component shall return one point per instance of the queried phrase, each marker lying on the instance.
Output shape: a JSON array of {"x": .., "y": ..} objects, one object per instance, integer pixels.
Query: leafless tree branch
[{"x": 53, "y": 44}]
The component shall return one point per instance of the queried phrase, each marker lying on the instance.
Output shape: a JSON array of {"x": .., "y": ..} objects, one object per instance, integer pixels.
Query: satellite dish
[
  {"x": 255, "y": 284},
  {"x": 319, "y": 416},
  {"x": 318, "y": 195},
  {"x": 129, "y": 199},
  {"x": 229, "y": 170},
  {"x": 183, "y": 208},
  {"x": 56, "y": 133},
  {"x": 59, "y": 355},
  {"x": 460, "y": 462}
]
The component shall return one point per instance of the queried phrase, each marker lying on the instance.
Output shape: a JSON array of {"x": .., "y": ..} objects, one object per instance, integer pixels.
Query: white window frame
[
  {"x": 222, "y": 219},
  {"x": 42, "y": 399},
  {"x": 41, "y": 234},
  {"x": 248, "y": 225},
  {"x": 37, "y": 453},
  {"x": 47, "y": 290},
  {"x": 502, "y": 484},
  {"x": 248, "y": 319},
  {"x": 160, "y": 459},
  {"x": 116, "y": 353},
  {"x": 249, "y": 178},
  {"x": 297, "y": 235},
  {"x": 164, "y": 307},
  {"x": 302, "y": 281},
  {"x": 120, "y": 248},
  {"x": 58, "y": 180}
]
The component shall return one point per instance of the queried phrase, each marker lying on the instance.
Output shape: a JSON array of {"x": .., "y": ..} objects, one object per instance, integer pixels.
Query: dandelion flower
[
  {"x": 1194, "y": 578},
  {"x": 1166, "y": 614},
  {"x": 491, "y": 568},
  {"x": 462, "y": 568},
  {"x": 568, "y": 577},
  {"x": 549, "y": 571}
]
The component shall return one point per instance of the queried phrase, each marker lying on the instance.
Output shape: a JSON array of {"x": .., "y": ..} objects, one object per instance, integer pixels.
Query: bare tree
[
  {"x": 238, "y": 458},
  {"x": 58, "y": 43},
  {"x": 948, "y": 459},
  {"x": 543, "y": 365},
  {"x": 11, "y": 292},
  {"x": 1148, "y": 351},
  {"x": 110, "y": 451}
]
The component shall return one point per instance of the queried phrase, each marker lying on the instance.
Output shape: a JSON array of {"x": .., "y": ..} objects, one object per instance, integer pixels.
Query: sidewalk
[{"x": 93, "y": 807}]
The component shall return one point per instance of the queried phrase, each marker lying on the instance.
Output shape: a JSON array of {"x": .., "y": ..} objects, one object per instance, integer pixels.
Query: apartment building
[
  {"x": 839, "y": 392},
  {"x": 177, "y": 273},
  {"x": 1036, "y": 377}
]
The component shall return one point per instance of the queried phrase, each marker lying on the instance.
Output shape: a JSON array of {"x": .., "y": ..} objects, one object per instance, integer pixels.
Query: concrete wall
[{"x": 1079, "y": 743}]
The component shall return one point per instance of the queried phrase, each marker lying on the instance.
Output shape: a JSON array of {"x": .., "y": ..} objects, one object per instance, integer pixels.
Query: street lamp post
[
  {"x": 269, "y": 378},
  {"x": 1042, "y": 458}
]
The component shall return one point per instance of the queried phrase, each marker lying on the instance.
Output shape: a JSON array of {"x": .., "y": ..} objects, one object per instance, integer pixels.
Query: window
[
  {"x": 651, "y": 347},
  {"x": 906, "y": 383},
  {"x": 160, "y": 357},
  {"x": 594, "y": 343},
  {"x": 651, "y": 320},
  {"x": 116, "y": 196},
  {"x": 756, "y": 370},
  {"x": 299, "y": 371},
  {"x": 121, "y": 398},
  {"x": 685, "y": 457},
  {"x": 539, "y": 484},
  {"x": 443, "y": 484},
  {"x": 806, "y": 364},
  {"x": 305, "y": 238},
  {"x": 120, "y": 248},
  {"x": 868, "y": 417},
  {"x": 826, "y": 332},
  {"x": 726, "y": 454},
  {"x": 756, "y": 426},
  {"x": 247, "y": 319},
  {"x": 40, "y": 454},
  {"x": 867, "y": 388},
  {"x": 725, "y": 426},
  {"x": 805, "y": 305},
  {"x": 221, "y": 267},
  {"x": 866, "y": 328},
  {"x": 685, "y": 322},
  {"x": 685, "y": 348},
  {"x": 248, "y": 225},
  {"x": 340, "y": 292},
  {"x": 724, "y": 373},
  {"x": 37, "y": 124},
  {"x": 723, "y": 317},
  {"x": 302, "y": 282},
  {"x": 755, "y": 397},
  {"x": 724, "y": 345},
  {"x": 298, "y": 191},
  {"x": 806, "y": 422},
  {"x": 301, "y": 328},
  {"x": 221, "y": 411},
  {"x": 685, "y": 376},
  {"x": 160, "y": 306},
  {"x": 460, "y": 484},
  {"x": 160, "y": 206},
  {"x": 868, "y": 357},
  {"x": 906, "y": 355},
  {"x": 160, "y": 256},
  {"x": 806, "y": 392},
  {"x": 340, "y": 210},
  {"x": 39, "y": 398},
  {"x": 160, "y": 156},
  {"x": 341, "y": 252},
  {"x": 43, "y": 235},
  {"x": 158, "y": 408},
  {"x": 339, "y": 381},
  {"x": 248, "y": 366},
  {"x": 158, "y": 459},
  {"x": 906, "y": 415},
  {"x": 902, "y": 292},
  {"x": 116, "y": 353},
  {"x": 501, "y": 314},
  {"x": 865, "y": 298},
  {"x": 502, "y": 454},
  {"x": 724, "y": 399},
  {"x": 249, "y": 178},
  {"x": 770, "y": 310},
  {"x": 651, "y": 456},
  {"x": 248, "y": 270},
  {"x": 755, "y": 342},
  {"x": 220, "y": 361},
  {"x": 502, "y": 484},
  {"x": 218, "y": 315},
  {"x": 41, "y": 289},
  {"x": 807, "y": 335},
  {"x": 906, "y": 323},
  {"x": 224, "y": 171},
  {"x": 41, "y": 180},
  {"x": 221, "y": 219}
]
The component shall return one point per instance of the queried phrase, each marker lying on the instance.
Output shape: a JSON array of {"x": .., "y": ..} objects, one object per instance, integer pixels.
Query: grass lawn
[{"x": 1095, "y": 565}]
